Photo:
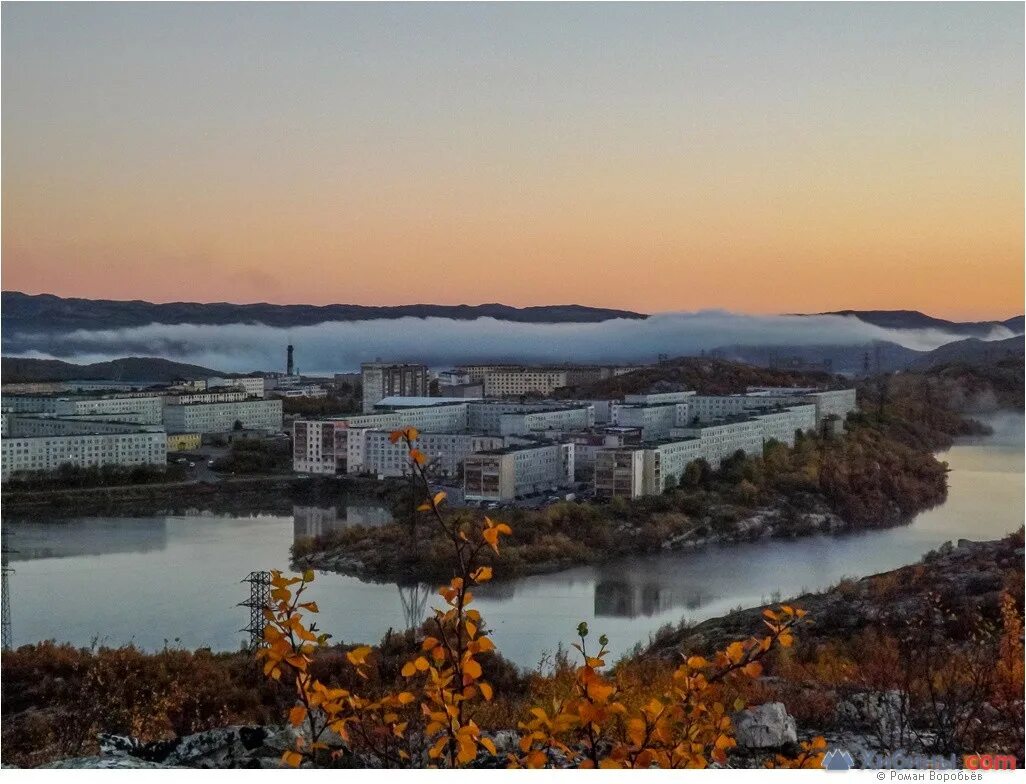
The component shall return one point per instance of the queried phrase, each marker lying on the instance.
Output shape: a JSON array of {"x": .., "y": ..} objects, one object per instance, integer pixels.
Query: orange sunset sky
[{"x": 759, "y": 158}]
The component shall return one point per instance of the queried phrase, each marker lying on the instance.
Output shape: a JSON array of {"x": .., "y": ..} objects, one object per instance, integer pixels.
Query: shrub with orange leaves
[{"x": 689, "y": 727}]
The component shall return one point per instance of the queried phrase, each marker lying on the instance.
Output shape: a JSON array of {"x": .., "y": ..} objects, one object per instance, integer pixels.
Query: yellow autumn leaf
[
  {"x": 736, "y": 652},
  {"x": 472, "y": 668},
  {"x": 359, "y": 655},
  {"x": 482, "y": 574},
  {"x": 297, "y": 715}
]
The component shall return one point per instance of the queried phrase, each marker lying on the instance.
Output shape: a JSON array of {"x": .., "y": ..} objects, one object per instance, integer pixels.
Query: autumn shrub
[{"x": 57, "y": 698}]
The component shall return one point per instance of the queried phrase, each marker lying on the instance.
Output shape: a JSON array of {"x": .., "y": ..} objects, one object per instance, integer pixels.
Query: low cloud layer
[{"x": 340, "y": 346}]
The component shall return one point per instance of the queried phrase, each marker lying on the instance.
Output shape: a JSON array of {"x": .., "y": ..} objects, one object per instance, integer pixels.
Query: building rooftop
[{"x": 413, "y": 401}]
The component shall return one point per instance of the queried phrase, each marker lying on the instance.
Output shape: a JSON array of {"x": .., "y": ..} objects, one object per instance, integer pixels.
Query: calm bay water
[{"x": 177, "y": 579}]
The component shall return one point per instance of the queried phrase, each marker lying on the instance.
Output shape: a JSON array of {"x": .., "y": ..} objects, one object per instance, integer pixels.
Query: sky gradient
[{"x": 761, "y": 158}]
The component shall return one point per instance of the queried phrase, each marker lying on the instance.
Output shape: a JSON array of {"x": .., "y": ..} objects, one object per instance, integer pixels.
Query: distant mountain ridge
[
  {"x": 21, "y": 370},
  {"x": 49, "y": 313},
  {"x": 914, "y": 319},
  {"x": 971, "y": 351}
]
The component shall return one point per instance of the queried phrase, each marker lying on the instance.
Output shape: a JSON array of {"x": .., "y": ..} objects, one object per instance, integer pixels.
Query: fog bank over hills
[{"x": 53, "y": 328}]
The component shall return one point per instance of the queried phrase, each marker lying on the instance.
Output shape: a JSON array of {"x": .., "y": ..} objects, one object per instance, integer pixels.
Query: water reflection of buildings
[
  {"x": 623, "y": 596},
  {"x": 94, "y": 536},
  {"x": 318, "y": 520}
]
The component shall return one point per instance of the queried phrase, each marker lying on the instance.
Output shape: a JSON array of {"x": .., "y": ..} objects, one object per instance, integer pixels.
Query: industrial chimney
[{"x": 289, "y": 364}]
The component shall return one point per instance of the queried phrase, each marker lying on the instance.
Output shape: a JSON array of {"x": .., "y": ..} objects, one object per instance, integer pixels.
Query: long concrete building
[
  {"x": 647, "y": 469},
  {"x": 251, "y": 414},
  {"x": 516, "y": 471},
  {"x": 79, "y": 443}
]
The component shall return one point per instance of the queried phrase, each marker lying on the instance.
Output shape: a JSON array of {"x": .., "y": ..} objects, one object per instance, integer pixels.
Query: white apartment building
[
  {"x": 33, "y": 425},
  {"x": 146, "y": 446},
  {"x": 219, "y": 396},
  {"x": 381, "y": 380},
  {"x": 442, "y": 418},
  {"x": 445, "y": 452},
  {"x": 253, "y": 386},
  {"x": 306, "y": 390},
  {"x": 145, "y": 410},
  {"x": 829, "y": 402},
  {"x": 522, "y": 381},
  {"x": 588, "y": 444},
  {"x": 29, "y": 404},
  {"x": 319, "y": 447},
  {"x": 780, "y": 425},
  {"x": 335, "y": 447},
  {"x": 631, "y": 472},
  {"x": 476, "y": 373},
  {"x": 516, "y": 471},
  {"x": 719, "y": 440},
  {"x": 338, "y": 445},
  {"x": 552, "y": 419},
  {"x": 221, "y": 417},
  {"x": 655, "y": 421},
  {"x": 620, "y": 472},
  {"x": 658, "y": 398},
  {"x": 833, "y": 403}
]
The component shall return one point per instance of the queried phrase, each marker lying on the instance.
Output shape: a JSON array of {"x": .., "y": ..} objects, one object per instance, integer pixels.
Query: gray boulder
[
  {"x": 767, "y": 726},
  {"x": 104, "y": 763}
]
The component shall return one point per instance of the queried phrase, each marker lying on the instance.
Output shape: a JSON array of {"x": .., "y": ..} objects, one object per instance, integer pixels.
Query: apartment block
[
  {"x": 587, "y": 444},
  {"x": 445, "y": 417},
  {"x": 381, "y": 380},
  {"x": 223, "y": 395},
  {"x": 659, "y": 398},
  {"x": 445, "y": 452},
  {"x": 145, "y": 410},
  {"x": 721, "y": 439},
  {"x": 631, "y": 472},
  {"x": 553, "y": 419},
  {"x": 619, "y": 472},
  {"x": 320, "y": 447},
  {"x": 253, "y": 386},
  {"x": 781, "y": 424},
  {"x": 655, "y": 421},
  {"x": 829, "y": 402},
  {"x": 222, "y": 417},
  {"x": 516, "y": 471},
  {"x": 141, "y": 446},
  {"x": 523, "y": 381}
]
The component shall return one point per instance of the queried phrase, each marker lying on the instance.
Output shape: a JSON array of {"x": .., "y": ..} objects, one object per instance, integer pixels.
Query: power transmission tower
[
  {"x": 259, "y": 600},
  {"x": 5, "y": 598}
]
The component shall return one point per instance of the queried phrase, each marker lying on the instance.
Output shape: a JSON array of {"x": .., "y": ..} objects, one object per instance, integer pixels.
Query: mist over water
[{"x": 337, "y": 346}]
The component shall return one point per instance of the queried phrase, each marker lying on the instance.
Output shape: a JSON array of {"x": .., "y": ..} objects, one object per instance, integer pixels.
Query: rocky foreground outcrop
[
  {"x": 966, "y": 574},
  {"x": 761, "y": 732}
]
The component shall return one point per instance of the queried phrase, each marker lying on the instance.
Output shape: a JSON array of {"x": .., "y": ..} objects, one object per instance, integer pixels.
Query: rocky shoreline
[
  {"x": 275, "y": 494},
  {"x": 781, "y": 522}
]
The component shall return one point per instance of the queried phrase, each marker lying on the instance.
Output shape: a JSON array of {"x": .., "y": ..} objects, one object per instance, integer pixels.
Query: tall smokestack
[{"x": 289, "y": 364}]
